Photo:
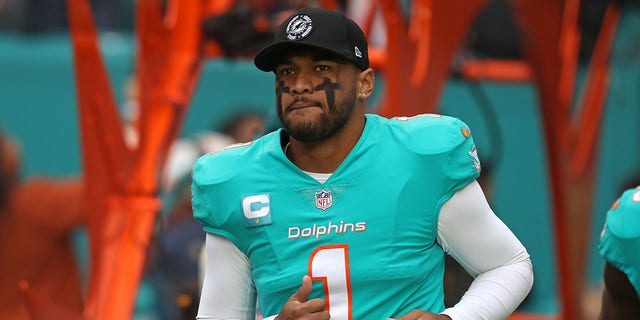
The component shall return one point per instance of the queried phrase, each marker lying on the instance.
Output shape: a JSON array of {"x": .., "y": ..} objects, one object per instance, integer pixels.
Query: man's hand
[
  {"x": 422, "y": 315},
  {"x": 297, "y": 307}
]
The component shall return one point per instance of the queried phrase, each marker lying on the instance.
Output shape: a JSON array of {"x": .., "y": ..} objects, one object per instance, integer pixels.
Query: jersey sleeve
[
  {"x": 208, "y": 176},
  {"x": 447, "y": 139},
  {"x": 620, "y": 237},
  {"x": 463, "y": 164}
]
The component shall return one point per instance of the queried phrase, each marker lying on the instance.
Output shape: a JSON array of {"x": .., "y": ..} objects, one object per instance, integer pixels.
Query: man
[
  {"x": 620, "y": 247},
  {"x": 37, "y": 220},
  {"x": 347, "y": 215}
]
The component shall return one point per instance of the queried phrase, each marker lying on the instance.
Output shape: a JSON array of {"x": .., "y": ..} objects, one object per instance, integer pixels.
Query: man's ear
[{"x": 366, "y": 81}]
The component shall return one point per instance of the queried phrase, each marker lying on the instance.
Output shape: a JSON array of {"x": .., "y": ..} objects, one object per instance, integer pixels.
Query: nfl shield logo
[{"x": 324, "y": 199}]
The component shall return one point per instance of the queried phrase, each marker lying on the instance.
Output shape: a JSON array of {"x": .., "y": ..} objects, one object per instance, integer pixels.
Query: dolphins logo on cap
[{"x": 299, "y": 27}]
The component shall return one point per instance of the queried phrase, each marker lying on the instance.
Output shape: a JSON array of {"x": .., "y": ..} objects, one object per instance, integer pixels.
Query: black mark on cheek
[
  {"x": 329, "y": 87},
  {"x": 280, "y": 89}
]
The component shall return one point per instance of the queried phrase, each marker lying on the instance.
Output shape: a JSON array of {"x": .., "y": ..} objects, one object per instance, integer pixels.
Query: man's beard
[{"x": 327, "y": 125}]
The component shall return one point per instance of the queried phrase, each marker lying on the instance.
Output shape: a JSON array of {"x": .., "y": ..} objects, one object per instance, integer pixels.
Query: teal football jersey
[
  {"x": 366, "y": 237},
  {"x": 620, "y": 238}
]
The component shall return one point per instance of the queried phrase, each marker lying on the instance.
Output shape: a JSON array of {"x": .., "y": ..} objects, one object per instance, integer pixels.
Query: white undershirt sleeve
[
  {"x": 473, "y": 235},
  {"x": 228, "y": 292}
]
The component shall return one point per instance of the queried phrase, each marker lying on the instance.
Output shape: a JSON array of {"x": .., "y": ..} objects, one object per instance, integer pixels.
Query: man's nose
[{"x": 302, "y": 83}]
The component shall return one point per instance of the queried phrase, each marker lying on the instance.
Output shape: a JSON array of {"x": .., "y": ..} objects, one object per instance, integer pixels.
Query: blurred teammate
[
  {"x": 344, "y": 214},
  {"x": 174, "y": 259},
  {"x": 620, "y": 247},
  {"x": 242, "y": 127}
]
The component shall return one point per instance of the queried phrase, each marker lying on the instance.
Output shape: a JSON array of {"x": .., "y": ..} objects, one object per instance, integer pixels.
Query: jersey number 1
[{"x": 330, "y": 264}]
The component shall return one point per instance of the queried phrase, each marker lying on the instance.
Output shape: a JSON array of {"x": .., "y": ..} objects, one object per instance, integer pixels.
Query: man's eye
[
  {"x": 322, "y": 67},
  {"x": 286, "y": 71}
]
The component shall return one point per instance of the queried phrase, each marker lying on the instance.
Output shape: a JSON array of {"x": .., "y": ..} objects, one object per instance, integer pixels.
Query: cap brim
[{"x": 267, "y": 59}]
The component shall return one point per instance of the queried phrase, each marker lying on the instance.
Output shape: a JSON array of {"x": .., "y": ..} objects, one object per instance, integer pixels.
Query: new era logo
[{"x": 357, "y": 52}]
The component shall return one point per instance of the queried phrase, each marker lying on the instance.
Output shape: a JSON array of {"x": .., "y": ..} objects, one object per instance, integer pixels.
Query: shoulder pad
[
  {"x": 430, "y": 133},
  {"x": 220, "y": 166},
  {"x": 623, "y": 219}
]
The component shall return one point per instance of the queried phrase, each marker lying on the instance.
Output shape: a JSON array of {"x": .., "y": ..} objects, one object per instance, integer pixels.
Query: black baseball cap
[{"x": 320, "y": 28}]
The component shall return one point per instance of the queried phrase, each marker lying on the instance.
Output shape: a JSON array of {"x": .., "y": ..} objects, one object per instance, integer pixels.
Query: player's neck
[{"x": 324, "y": 156}]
